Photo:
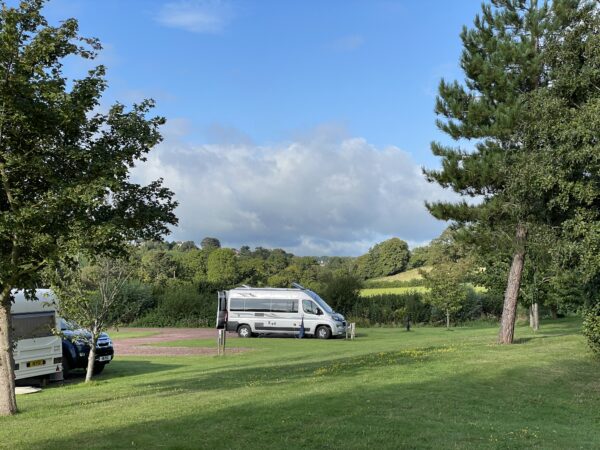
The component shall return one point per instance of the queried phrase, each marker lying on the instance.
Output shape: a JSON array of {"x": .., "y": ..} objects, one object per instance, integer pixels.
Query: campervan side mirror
[{"x": 319, "y": 312}]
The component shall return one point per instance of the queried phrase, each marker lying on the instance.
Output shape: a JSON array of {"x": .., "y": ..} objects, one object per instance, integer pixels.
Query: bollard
[
  {"x": 221, "y": 342},
  {"x": 351, "y": 331}
]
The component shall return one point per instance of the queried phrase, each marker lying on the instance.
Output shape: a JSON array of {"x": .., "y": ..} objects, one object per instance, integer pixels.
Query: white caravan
[
  {"x": 38, "y": 351},
  {"x": 251, "y": 311}
]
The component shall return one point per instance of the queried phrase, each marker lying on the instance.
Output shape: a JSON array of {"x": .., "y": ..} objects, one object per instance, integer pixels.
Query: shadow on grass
[
  {"x": 118, "y": 369},
  {"x": 240, "y": 377},
  {"x": 524, "y": 340},
  {"x": 512, "y": 409}
]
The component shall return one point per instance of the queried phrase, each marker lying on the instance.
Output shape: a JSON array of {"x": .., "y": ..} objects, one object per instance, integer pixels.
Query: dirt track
[{"x": 143, "y": 346}]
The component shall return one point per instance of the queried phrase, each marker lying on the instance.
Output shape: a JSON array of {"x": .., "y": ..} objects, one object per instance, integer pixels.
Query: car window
[{"x": 309, "y": 307}]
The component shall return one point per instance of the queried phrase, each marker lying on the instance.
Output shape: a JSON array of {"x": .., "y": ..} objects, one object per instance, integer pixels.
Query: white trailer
[
  {"x": 38, "y": 350},
  {"x": 251, "y": 311}
]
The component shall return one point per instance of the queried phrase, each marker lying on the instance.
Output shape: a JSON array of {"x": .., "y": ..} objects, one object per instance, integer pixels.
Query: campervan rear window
[{"x": 33, "y": 325}]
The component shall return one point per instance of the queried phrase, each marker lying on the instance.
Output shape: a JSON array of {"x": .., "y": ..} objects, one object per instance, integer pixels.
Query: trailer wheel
[
  {"x": 244, "y": 331},
  {"x": 323, "y": 332}
]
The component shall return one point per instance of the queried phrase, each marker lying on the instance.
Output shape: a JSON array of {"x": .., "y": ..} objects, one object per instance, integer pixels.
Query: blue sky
[{"x": 295, "y": 124}]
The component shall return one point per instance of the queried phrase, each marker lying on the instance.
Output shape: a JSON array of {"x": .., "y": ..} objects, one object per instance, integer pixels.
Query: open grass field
[
  {"x": 429, "y": 388},
  {"x": 409, "y": 275},
  {"x": 371, "y": 292}
]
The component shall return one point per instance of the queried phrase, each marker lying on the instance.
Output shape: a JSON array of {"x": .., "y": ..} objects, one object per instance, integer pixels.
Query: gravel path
[{"x": 143, "y": 346}]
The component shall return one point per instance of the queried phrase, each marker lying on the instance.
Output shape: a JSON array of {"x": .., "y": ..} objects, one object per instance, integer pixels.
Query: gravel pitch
[{"x": 143, "y": 346}]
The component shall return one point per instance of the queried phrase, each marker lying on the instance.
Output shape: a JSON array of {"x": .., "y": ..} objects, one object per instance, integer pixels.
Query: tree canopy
[
  {"x": 64, "y": 164},
  {"x": 504, "y": 60}
]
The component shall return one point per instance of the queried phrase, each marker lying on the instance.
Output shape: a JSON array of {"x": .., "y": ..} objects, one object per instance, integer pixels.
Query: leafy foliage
[
  {"x": 591, "y": 328},
  {"x": 386, "y": 258},
  {"x": 64, "y": 165}
]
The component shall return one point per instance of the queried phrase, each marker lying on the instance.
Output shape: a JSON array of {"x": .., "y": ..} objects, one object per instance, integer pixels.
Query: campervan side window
[
  {"x": 258, "y": 305},
  {"x": 263, "y": 305},
  {"x": 236, "y": 304},
  {"x": 33, "y": 325},
  {"x": 286, "y": 306}
]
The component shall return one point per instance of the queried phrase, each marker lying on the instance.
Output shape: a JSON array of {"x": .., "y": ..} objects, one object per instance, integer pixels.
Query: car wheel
[
  {"x": 323, "y": 332},
  {"x": 66, "y": 366},
  {"x": 244, "y": 331},
  {"x": 98, "y": 368}
]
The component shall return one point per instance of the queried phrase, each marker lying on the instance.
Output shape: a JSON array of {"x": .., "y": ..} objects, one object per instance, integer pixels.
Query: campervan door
[{"x": 38, "y": 351}]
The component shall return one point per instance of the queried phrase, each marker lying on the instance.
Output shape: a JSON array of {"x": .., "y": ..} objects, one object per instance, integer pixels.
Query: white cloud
[
  {"x": 196, "y": 16},
  {"x": 316, "y": 197}
]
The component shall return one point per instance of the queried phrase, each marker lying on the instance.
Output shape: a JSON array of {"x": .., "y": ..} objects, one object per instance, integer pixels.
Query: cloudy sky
[{"x": 295, "y": 124}]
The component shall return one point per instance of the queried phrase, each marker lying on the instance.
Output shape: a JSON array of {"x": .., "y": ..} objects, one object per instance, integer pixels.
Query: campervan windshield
[{"x": 320, "y": 301}]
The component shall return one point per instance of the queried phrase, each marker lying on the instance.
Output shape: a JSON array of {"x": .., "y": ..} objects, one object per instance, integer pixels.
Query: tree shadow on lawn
[
  {"x": 524, "y": 340},
  {"x": 445, "y": 411},
  {"x": 119, "y": 369},
  {"x": 238, "y": 377}
]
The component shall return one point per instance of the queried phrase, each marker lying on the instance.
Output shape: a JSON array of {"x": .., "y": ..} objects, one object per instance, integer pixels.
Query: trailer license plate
[
  {"x": 104, "y": 358},
  {"x": 36, "y": 363}
]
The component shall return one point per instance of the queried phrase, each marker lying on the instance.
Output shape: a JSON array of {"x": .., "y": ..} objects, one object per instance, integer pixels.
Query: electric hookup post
[
  {"x": 221, "y": 342},
  {"x": 351, "y": 331}
]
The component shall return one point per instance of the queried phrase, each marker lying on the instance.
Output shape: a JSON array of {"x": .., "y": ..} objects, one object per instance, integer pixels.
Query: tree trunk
[
  {"x": 531, "y": 316},
  {"x": 535, "y": 313},
  {"x": 91, "y": 358},
  {"x": 8, "y": 401},
  {"x": 447, "y": 318},
  {"x": 509, "y": 312}
]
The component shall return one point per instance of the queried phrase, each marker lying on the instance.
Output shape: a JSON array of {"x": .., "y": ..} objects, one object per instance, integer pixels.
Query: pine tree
[{"x": 502, "y": 61}]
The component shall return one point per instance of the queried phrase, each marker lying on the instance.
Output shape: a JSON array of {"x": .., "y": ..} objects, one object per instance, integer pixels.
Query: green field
[
  {"x": 429, "y": 388},
  {"x": 370, "y": 292},
  {"x": 409, "y": 275}
]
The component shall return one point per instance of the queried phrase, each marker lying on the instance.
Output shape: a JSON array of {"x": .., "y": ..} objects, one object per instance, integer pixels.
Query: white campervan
[
  {"x": 38, "y": 351},
  {"x": 250, "y": 311}
]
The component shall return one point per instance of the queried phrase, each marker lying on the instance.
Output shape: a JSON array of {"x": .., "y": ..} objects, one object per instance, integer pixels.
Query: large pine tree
[{"x": 502, "y": 61}]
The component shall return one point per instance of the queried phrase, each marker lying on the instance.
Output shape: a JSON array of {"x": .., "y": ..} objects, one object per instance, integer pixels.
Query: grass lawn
[
  {"x": 123, "y": 333},
  {"x": 429, "y": 388}
]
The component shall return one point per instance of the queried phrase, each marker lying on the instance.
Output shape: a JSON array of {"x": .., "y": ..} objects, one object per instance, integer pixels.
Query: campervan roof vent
[
  {"x": 298, "y": 286},
  {"x": 245, "y": 286}
]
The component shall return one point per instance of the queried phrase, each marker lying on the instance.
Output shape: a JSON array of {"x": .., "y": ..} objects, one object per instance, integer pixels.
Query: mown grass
[
  {"x": 123, "y": 333},
  {"x": 429, "y": 388}
]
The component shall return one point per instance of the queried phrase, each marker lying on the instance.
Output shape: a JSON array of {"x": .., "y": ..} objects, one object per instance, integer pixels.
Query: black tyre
[
  {"x": 244, "y": 331},
  {"x": 98, "y": 368},
  {"x": 66, "y": 366},
  {"x": 323, "y": 332}
]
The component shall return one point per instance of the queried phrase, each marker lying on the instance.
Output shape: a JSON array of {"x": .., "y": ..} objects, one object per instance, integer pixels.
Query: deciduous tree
[
  {"x": 91, "y": 296},
  {"x": 64, "y": 166}
]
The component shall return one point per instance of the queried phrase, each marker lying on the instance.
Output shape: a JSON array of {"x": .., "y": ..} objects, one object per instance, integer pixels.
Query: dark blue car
[{"x": 76, "y": 350}]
